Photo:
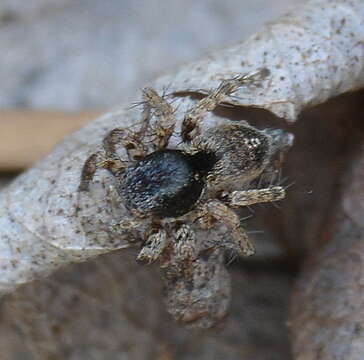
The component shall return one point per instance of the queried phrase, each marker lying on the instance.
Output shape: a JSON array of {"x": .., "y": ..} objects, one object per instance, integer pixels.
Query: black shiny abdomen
[{"x": 164, "y": 183}]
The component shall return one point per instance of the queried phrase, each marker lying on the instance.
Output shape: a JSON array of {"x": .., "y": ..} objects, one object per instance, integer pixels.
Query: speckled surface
[
  {"x": 88, "y": 54},
  {"x": 46, "y": 221}
]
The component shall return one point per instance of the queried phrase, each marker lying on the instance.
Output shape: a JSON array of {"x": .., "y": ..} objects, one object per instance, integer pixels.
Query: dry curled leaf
[{"x": 41, "y": 225}]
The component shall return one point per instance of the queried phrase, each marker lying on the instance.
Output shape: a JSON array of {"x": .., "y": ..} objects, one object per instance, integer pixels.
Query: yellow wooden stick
[{"x": 26, "y": 136}]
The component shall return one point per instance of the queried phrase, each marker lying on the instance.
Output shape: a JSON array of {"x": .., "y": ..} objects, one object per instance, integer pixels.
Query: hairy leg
[
  {"x": 215, "y": 210},
  {"x": 255, "y": 196},
  {"x": 133, "y": 142},
  {"x": 185, "y": 244},
  {"x": 108, "y": 159},
  {"x": 209, "y": 103},
  {"x": 163, "y": 127},
  {"x": 153, "y": 247},
  {"x": 88, "y": 171}
]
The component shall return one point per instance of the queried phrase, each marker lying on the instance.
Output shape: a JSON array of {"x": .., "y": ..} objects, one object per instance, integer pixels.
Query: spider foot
[
  {"x": 185, "y": 247},
  {"x": 115, "y": 166},
  {"x": 215, "y": 210},
  {"x": 153, "y": 247}
]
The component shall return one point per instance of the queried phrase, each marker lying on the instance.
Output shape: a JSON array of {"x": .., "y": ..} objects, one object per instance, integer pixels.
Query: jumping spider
[{"x": 201, "y": 182}]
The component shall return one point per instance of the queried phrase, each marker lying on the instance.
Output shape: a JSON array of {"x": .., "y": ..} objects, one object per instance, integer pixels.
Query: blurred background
[{"x": 63, "y": 62}]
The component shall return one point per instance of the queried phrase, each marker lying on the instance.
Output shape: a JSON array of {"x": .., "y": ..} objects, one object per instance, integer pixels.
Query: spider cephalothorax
[{"x": 202, "y": 181}]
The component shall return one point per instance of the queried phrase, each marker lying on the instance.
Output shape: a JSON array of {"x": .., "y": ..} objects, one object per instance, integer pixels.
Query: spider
[{"x": 201, "y": 182}]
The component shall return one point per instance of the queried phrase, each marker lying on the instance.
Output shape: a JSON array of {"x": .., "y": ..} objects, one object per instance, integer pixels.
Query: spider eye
[{"x": 164, "y": 183}]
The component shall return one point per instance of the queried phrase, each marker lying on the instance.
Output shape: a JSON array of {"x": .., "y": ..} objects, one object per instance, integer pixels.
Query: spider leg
[
  {"x": 209, "y": 103},
  {"x": 183, "y": 252},
  {"x": 88, "y": 171},
  {"x": 250, "y": 197},
  {"x": 163, "y": 128},
  {"x": 153, "y": 247},
  {"x": 109, "y": 159},
  {"x": 185, "y": 245},
  {"x": 216, "y": 210},
  {"x": 131, "y": 141}
]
